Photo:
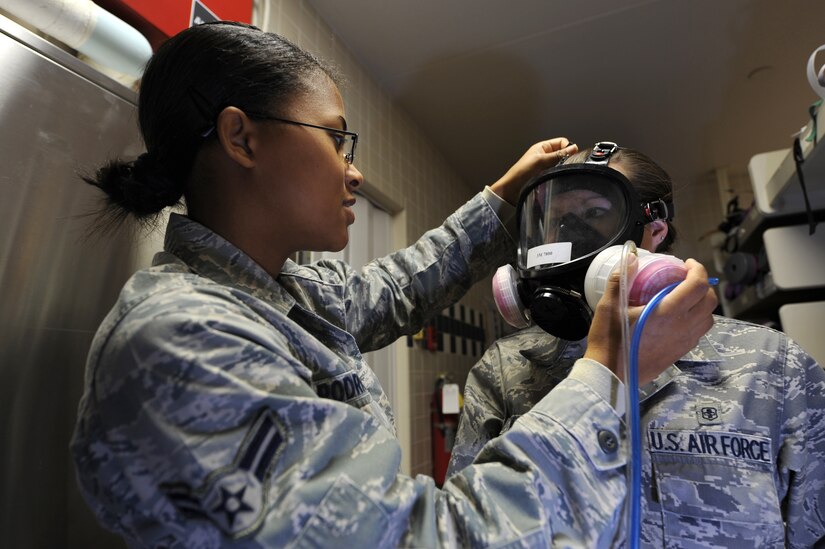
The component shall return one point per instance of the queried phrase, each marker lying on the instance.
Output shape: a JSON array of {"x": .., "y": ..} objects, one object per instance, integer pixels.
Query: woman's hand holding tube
[
  {"x": 539, "y": 157},
  {"x": 672, "y": 329}
]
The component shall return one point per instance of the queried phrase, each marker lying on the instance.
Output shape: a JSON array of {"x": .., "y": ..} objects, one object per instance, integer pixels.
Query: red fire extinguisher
[{"x": 444, "y": 428}]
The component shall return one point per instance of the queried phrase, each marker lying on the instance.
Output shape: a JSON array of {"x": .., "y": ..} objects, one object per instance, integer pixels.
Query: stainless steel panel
[{"x": 57, "y": 117}]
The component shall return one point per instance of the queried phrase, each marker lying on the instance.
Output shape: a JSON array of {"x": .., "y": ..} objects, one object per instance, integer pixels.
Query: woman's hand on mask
[
  {"x": 539, "y": 157},
  {"x": 672, "y": 329}
]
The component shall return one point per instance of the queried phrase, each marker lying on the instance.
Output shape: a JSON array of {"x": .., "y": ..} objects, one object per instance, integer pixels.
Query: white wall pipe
[{"x": 88, "y": 28}]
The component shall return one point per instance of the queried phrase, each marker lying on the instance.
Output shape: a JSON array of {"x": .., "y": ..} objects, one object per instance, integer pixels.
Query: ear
[
  {"x": 237, "y": 135},
  {"x": 658, "y": 231}
]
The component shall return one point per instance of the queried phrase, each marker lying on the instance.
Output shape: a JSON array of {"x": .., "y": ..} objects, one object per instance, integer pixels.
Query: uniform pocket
[
  {"x": 716, "y": 489},
  {"x": 346, "y": 517}
]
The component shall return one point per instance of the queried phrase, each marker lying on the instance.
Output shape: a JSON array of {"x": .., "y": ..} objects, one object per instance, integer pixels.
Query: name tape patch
[
  {"x": 345, "y": 387},
  {"x": 711, "y": 443}
]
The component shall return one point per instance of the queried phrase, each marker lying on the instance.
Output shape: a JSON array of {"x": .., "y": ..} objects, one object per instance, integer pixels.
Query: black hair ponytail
[{"x": 139, "y": 188}]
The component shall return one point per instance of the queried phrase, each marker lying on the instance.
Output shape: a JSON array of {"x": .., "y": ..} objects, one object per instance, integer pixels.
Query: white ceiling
[{"x": 696, "y": 84}]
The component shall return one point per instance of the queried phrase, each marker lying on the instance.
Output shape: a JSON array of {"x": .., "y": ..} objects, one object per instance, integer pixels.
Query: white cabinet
[
  {"x": 796, "y": 259},
  {"x": 804, "y": 323}
]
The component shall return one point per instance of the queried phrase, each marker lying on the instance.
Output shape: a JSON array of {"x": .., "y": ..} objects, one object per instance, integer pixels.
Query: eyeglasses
[{"x": 344, "y": 141}]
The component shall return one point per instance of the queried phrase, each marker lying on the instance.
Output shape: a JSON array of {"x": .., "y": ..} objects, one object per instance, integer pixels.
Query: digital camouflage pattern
[
  {"x": 734, "y": 440},
  {"x": 225, "y": 408}
]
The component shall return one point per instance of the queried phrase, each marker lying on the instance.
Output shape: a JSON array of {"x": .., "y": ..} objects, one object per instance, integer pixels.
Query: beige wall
[
  {"x": 700, "y": 208},
  {"x": 409, "y": 177}
]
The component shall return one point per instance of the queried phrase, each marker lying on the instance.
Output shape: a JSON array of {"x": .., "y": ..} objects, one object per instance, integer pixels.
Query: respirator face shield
[
  {"x": 569, "y": 214},
  {"x": 566, "y": 216}
]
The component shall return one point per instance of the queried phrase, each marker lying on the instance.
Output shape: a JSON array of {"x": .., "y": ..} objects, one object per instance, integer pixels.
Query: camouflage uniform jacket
[
  {"x": 223, "y": 407},
  {"x": 734, "y": 441}
]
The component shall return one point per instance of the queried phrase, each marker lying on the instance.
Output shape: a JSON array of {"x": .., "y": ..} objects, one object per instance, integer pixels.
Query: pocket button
[{"x": 607, "y": 441}]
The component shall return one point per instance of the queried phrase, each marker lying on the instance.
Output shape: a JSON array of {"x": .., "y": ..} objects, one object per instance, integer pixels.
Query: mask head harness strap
[
  {"x": 601, "y": 153},
  {"x": 658, "y": 209}
]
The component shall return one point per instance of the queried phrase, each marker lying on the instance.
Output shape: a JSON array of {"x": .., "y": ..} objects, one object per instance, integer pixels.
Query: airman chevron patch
[{"x": 234, "y": 497}]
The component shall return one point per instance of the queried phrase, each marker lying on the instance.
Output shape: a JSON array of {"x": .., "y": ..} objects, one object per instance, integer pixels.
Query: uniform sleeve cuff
[
  {"x": 601, "y": 380},
  {"x": 505, "y": 211}
]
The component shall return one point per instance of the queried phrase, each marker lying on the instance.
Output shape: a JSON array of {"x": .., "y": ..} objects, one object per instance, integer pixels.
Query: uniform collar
[
  {"x": 704, "y": 352},
  {"x": 211, "y": 256},
  {"x": 701, "y": 362},
  {"x": 550, "y": 352}
]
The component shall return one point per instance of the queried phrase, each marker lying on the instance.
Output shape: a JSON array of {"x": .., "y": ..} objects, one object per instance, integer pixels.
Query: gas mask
[{"x": 566, "y": 216}]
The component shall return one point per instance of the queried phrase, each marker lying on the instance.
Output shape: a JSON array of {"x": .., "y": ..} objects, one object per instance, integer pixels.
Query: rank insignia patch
[{"x": 234, "y": 497}]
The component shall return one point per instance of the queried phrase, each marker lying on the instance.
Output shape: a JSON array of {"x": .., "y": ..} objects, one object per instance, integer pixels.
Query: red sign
[{"x": 160, "y": 19}]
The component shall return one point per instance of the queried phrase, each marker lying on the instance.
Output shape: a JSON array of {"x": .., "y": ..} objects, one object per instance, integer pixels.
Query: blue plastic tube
[{"x": 635, "y": 481}]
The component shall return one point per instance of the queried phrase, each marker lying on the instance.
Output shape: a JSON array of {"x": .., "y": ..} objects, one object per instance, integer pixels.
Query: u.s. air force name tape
[{"x": 711, "y": 444}]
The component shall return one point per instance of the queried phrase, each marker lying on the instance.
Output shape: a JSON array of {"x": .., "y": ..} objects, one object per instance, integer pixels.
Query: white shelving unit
[
  {"x": 777, "y": 193},
  {"x": 792, "y": 291}
]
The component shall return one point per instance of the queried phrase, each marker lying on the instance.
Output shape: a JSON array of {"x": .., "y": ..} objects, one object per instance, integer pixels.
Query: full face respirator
[{"x": 566, "y": 217}]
